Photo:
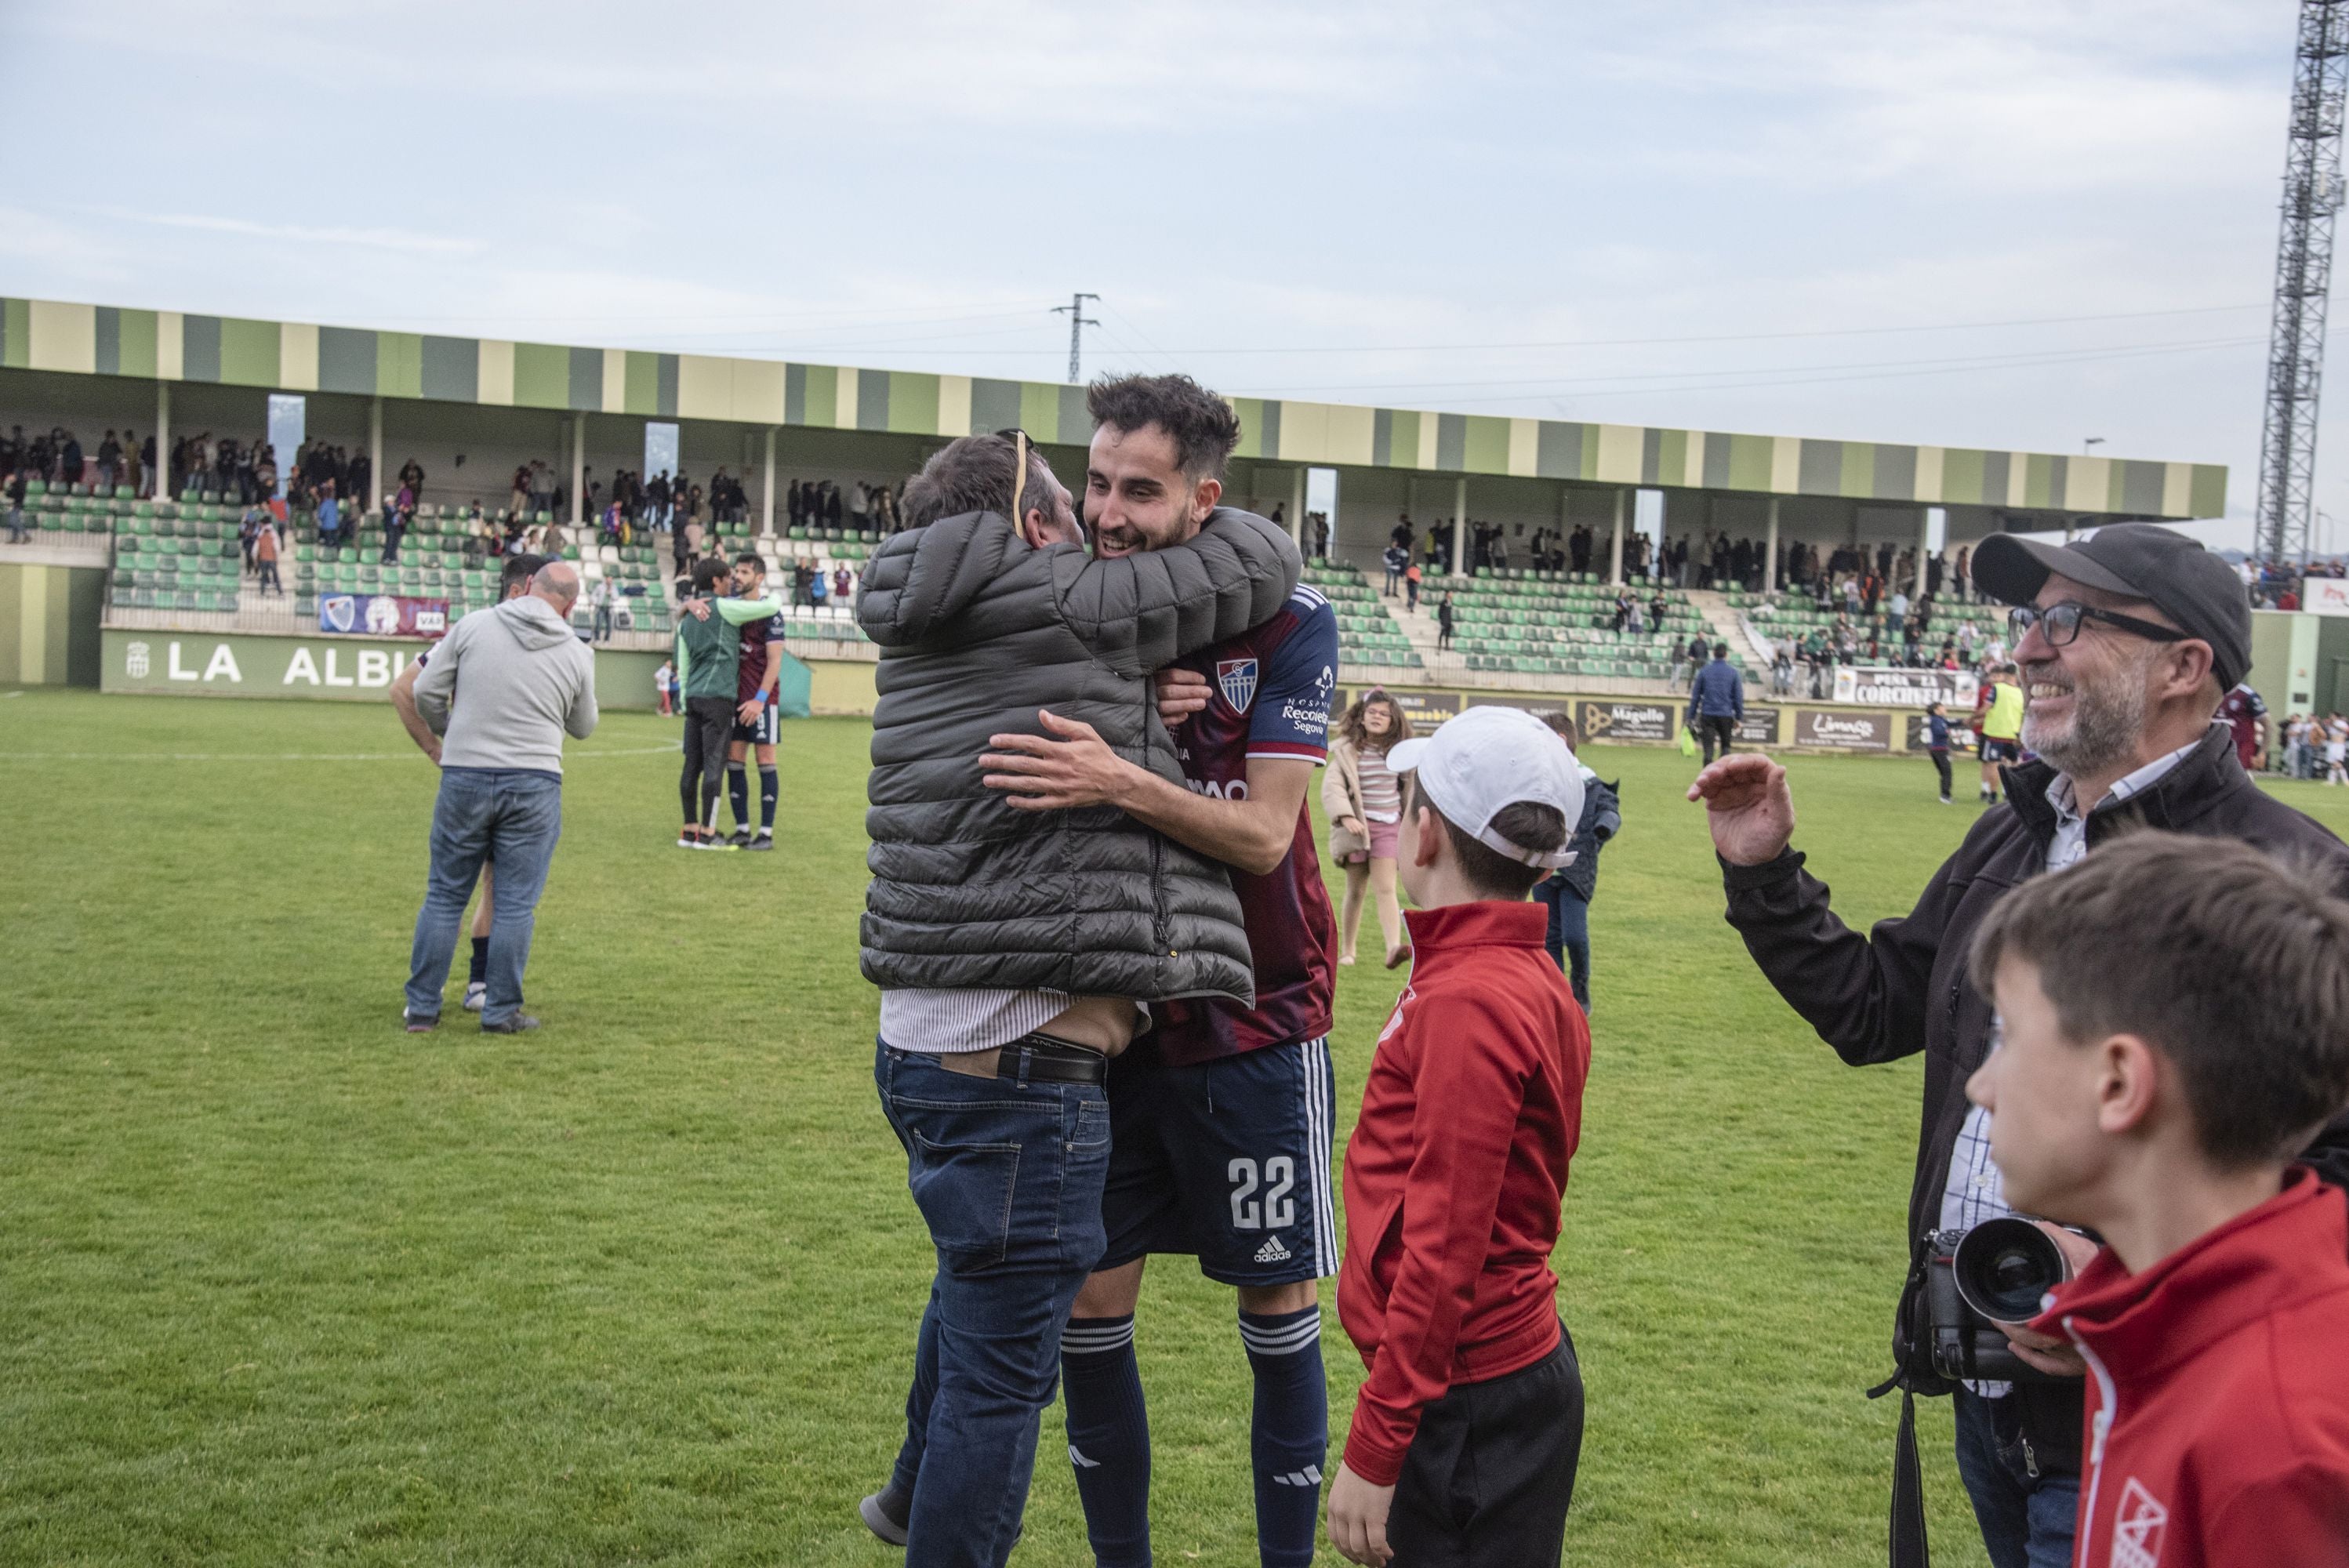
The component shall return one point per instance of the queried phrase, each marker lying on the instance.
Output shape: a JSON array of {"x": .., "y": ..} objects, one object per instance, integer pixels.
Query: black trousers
[
  {"x": 709, "y": 725},
  {"x": 1713, "y": 728},
  {"x": 1489, "y": 1474},
  {"x": 1942, "y": 765}
]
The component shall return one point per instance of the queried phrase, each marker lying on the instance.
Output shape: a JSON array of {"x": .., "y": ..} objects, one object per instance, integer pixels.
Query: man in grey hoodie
[{"x": 526, "y": 681}]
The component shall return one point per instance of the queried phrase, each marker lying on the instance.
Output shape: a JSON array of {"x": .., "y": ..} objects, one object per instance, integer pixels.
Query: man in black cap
[{"x": 2125, "y": 641}]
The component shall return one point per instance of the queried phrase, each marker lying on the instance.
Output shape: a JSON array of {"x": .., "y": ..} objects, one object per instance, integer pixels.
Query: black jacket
[
  {"x": 1903, "y": 988},
  {"x": 976, "y": 632},
  {"x": 1603, "y": 819}
]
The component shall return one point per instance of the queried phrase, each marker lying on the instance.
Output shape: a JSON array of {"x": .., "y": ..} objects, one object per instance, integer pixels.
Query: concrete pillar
[
  {"x": 1297, "y": 508},
  {"x": 159, "y": 481},
  {"x": 767, "y": 496},
  {"x": 1924, "y": 534},
  {"x": 375, "y": 457},
  {"x": 578, "y": 468},
  {"x": 1460, "y": 507},
  {"x": 1615, "y": 550},
  {"x": 1770, "y": 561}
]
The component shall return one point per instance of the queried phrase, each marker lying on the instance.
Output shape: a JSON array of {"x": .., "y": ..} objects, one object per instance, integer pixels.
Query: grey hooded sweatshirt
[
  {"x": 505, "y": 685},
  {"x": 978, "y": 631}
]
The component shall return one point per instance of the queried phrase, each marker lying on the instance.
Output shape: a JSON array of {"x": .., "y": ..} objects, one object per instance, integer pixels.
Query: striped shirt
[
  {"x": 1382, "y": 796},
  {"x": 950, "y": 1023}
]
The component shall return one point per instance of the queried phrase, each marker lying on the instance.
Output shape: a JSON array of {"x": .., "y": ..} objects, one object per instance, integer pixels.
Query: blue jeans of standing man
[
  {"x": 2027, "y": 1520},
  {"x": 513, "y": 816},
  {"x": 1008, "y": 1174},
  {"x": 1569, "y": 938}
]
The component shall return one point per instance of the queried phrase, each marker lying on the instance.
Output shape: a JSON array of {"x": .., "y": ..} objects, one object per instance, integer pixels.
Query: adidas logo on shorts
[{"x": 1272, "y": 1251}]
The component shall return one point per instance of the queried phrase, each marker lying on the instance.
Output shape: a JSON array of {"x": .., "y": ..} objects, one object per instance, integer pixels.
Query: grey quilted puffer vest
[{"x": 978, "y": 631}]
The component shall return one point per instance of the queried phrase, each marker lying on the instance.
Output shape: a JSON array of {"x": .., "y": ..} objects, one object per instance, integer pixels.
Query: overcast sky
[{"x": 1988, "y": 224}]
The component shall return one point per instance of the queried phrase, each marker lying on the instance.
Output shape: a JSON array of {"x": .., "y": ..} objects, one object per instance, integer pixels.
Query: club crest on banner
[
  {"x": 337, "y": 614},
  {"x": 1236, "y": 677}
]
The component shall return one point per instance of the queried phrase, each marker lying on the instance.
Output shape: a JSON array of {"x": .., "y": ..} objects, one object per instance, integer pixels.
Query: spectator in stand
[
  {"x": 1695, "y": 655},
  {"x": 110, "y": 460},
  {"x": 17, "y": 533},
  {"x": 842, "y": 590},
  {"x": 247, "y": 527},
  {"x": 1411, "y": 587},
  {"x": 1395, "y": 558},
  {"x": 396, "y": 521},
  {"x": 1937, "y": 745},
  {"x": 818, "y": 589},
  {"x": 1444, "y": 614},
  {"x": 601, "y": 601},
  {"x": 265, "y": 549},
  {"x": 1364, "y": 804}
]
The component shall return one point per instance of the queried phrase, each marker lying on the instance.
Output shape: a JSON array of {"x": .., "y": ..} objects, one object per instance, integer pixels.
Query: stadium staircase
[{"x": 1731, "y": 628}]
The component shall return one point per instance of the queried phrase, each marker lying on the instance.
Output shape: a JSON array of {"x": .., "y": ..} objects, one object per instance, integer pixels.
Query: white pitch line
[{"x": 285, "y": 755}]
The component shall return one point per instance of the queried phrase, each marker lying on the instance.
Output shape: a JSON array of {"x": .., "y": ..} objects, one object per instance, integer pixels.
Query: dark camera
[{"x": 1977, "y": 1279}]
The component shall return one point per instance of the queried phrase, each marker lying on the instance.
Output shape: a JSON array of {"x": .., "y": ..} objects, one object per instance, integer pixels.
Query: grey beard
[{"x": 2105, "y": 725}]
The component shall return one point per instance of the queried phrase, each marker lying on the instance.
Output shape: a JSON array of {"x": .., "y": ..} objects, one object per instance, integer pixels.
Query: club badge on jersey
[{"x": 1236, "y": 677}]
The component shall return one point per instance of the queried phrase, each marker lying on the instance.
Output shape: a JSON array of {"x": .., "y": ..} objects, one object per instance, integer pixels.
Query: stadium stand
[
  {"x": 1367, "y": 634},
  {"x": 1520, "y": 622}
]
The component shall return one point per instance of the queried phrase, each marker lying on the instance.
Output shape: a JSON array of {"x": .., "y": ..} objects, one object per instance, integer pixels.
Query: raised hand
[{"x": 1748, "y": 808}]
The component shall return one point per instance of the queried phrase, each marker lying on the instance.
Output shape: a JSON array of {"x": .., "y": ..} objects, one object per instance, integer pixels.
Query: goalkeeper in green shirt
[{"x": 709, "y": 652}]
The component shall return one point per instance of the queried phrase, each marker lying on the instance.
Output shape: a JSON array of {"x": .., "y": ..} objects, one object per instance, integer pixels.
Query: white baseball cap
[{"x": 1488, "y": 758}]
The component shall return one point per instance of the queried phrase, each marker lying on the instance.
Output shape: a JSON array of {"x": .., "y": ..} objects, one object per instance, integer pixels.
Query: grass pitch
[{"x": 280, "y": 1284}]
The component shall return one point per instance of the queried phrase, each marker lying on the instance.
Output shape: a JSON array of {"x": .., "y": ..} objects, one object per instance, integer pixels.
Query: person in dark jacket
[
  {"x": 1568, "y": 892},
  {"x": 2126, "y": 640},
  {"x": 1937, "y": 745},
  {"x": 1011, "y": 948},
  {"x": 1717, "y": 701}
]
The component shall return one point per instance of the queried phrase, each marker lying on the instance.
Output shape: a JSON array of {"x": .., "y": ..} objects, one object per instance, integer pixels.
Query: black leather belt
[{"x": 1042, "y": 1057}]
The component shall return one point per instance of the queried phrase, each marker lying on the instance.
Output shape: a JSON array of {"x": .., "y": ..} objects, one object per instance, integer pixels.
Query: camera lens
[{"x": 2002, "y": 1268}]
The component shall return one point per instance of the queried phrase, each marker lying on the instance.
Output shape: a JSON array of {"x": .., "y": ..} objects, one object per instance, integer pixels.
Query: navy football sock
[
  {"x": 1289, "y": 1436},
  {"x": 767, "y": 792},
  {"x": 478, "y": 972},
  {"x": 1109, "y": 1437},
  {"x": 738, "y": 793}
]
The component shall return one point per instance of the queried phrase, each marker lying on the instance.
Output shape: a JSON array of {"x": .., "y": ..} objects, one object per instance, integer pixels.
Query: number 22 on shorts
[{"x": 1278, "y": 1210}]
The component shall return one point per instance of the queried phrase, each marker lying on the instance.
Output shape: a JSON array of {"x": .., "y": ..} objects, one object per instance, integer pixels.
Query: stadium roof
[{"x": 170, "y": 345}]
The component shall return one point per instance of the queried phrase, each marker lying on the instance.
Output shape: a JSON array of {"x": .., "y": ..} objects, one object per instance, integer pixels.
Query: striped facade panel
[
  {"x": 1652, "y": 455},
  {"x": 2043, "y": 479},
  {"x": 872, "y": 399},
  {"x": 449, "y": 369},
  {"x": 612, "y": 381},
  {"x": 1250, "y": 412},
  {"x": 1298, "y": 432},
  {"x": 495, "y": 372},
  {"x": 1525, "y": 437},
  {"x": 640, "y": 383},
  {"x": 913, "y": 404},
  {"x": 1557, "y": 451},
  {"x": 1485, "y": 445},
  {"x": 665, "y": 385},
  {"x": 346, "y": 360},
  {"x": 1819, "y": 470},
  {"x": 141, "y": 343},
  {"x": 845, "y": 378},
  {"x": 1670, "y": 449},
  {"x": 400, "y": 364},
  {"x": 954, "y": 405},
  {"x": 2136, "y": 488},
  {"x": 2088, "y": 483},
  {"x": 542, "y": 376},
  {"x": 2208, "y": 498},
  {"x": 1075, "y": 422},
  {"x": 1268, "y": 428},
  {"x": 1382, "y": 438},
  {"x": 1895, "y": 474},
  {"x": 1717, "y": 450},
  {"x": 1410, "y": 448},
  {"x": 200, "y": 349},
  {"x": 1345, "y": 432},
  {"x": 248, "y": 353},
  {"x": 1997, "y": 477},
  {"x": 1858, "y": 477},
  {"x": 1962, "y": 476},
  {"x": 107, "y": 350},
  {"x": 1748, "y": 461},
  {"x": 821, "y": 394},
  {"x": 62, "y": 336},
  {"x": 297, "y": 357},
  {"x": 1623, "y": 453},
  {"x": 16, "y": 334},
  {"x": 1040, "y": 412},
  {"x": 1451, "y": 442},
  {"x": 584, "y": 380},
  {"x": 994, "y": 405},
  {"x": 758, "y": 391}
]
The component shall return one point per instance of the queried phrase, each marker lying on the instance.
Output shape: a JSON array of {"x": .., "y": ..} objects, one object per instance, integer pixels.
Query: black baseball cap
[{"x": 2143, "y": 560}]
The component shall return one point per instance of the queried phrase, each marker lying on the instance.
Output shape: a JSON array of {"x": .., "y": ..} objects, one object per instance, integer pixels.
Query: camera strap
[{"x": 1907, "y": 1533}]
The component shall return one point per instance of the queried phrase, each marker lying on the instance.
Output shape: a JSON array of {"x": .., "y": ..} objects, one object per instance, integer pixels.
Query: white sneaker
[{"x": 477, "y": 996}]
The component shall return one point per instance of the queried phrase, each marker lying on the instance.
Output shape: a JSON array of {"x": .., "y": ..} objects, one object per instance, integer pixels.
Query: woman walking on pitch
[{"x": 1365, "y": 808}]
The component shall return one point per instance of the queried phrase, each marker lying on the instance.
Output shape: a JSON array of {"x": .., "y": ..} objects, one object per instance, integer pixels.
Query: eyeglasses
[{"x": 2060, "y": 624}]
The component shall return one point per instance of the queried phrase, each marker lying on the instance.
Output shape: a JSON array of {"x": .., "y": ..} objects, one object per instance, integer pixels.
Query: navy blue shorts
[
  {"x": 765, "y": 730},
  {"x": 2000, "y": 750},
  {"x": 1228, "y": 1161}
]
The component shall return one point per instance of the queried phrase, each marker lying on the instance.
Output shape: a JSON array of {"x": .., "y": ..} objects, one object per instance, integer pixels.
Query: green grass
[{"x": 280, "y": 1284}]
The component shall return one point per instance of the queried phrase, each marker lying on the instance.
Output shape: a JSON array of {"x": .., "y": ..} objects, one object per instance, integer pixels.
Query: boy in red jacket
[
  {"x": 1468, "y": 1427},
  {"x": 2174, "y": 1019}
]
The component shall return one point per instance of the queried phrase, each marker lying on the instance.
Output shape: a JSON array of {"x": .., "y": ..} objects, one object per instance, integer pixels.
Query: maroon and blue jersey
[
  {"x": 1268, "y": 696},
  {"x": 752, "y": 670}
]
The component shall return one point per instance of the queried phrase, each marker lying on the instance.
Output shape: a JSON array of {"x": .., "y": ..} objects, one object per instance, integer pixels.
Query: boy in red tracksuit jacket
[
  {"x": 1468, "y": 1427},
  {"x": 2174, "y": 1017}
]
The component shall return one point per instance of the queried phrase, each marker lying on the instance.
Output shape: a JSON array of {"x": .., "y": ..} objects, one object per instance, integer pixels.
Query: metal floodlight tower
[
  {"x": 1079, "y": 320},
  {"x": 2312, "y": 194}
]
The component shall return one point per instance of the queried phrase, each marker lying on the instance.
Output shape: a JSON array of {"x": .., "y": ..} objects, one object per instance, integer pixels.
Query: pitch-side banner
[
  {"x": 381, "y": 615},
  {"x": 1888, "y": 684},
  {"x": 2325, "y": 596}
]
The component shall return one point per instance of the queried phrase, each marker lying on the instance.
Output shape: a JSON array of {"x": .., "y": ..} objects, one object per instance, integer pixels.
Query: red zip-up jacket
[
  {"x": 2218, "y": 1414},
  {"x": 1456, "y": 1169}
]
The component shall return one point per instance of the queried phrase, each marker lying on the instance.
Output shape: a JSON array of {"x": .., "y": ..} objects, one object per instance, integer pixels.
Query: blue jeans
[
  {"x": 1568, "y": 939},
  {"x": 512, "y": 816},
  {"x": 2027, "y": 1520},
  {"x": 1007, "y": 1175}
]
